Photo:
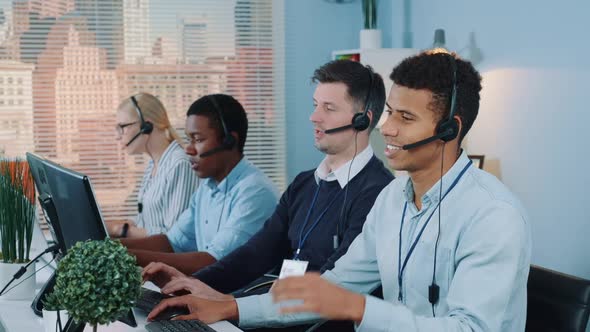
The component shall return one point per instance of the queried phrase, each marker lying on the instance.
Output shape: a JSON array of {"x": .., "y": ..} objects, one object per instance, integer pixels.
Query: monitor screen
[{"x": 71, "y": 194}]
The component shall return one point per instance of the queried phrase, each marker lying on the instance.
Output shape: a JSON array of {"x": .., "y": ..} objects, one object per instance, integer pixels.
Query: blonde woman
[{"x": 168, "y": 181}]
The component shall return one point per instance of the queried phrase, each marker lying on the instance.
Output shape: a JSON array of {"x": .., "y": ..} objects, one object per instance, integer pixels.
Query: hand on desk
[
  {"x": 208, "y": 311},
  {"x": 319, "y": 296}
]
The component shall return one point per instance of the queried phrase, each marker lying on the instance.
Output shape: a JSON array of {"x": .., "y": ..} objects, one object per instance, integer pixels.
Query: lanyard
[
  {"x": 303, "y": 237},
  {"x": 400, "y": 268}
]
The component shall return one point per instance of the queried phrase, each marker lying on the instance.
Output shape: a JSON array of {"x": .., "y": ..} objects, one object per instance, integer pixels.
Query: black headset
[
  {"x": 447, "y": 129},
  {"x": 228, "y": 141},
  {"x": 361, "y": 120},
  {"x": 145, "y": 127}
]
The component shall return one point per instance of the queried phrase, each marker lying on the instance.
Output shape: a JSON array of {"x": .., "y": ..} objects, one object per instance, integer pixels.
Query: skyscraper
[
  {"x": 194, "y": 39},
  {"x": 16, "y": 108},
  {"x": 136, "y": 30}
]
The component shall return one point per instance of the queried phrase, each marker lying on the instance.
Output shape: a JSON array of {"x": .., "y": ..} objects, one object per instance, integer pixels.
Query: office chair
[{"x": 556, "y": 301}]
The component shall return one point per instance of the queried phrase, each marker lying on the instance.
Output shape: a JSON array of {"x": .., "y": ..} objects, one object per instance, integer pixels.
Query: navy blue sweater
[{"x": 279, "y": 237}]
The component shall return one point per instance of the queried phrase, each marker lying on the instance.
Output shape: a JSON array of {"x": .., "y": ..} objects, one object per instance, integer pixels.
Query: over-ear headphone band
[
  {"x": 450, "y": 125},
  {"x": 219, "y": 116}
]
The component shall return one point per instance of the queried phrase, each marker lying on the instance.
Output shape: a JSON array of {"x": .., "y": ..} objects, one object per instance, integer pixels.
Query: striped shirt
[{"x": 164, "y": 196}]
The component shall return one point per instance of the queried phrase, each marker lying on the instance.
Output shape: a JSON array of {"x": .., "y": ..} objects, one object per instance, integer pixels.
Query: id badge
[{"x": 292, "y": 268}]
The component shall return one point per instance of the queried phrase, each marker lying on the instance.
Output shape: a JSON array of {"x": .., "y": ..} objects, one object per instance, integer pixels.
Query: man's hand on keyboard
[
  {"x": 208, "y": 311},
  {"x": 160, "y": 273},
  {"x": 194, "y": 286}
]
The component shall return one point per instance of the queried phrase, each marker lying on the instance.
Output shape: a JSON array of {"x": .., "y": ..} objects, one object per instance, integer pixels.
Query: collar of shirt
[
  {"x": 230, "y": 180},
  {"x": 433, "y": 194},
  {"x": 341, "y": 174},
  {"x": 163, "y": 158}
]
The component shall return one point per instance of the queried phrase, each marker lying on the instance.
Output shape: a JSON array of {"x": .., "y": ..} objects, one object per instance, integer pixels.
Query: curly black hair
[
  {"x": 433, "y": 71},
  {"x": 357, "y": 79},
  {"x": 233, "y": 113}
]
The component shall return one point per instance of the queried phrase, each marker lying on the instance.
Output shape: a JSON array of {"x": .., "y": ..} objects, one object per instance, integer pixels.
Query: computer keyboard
[
  {"x": 178, "y": 326},
  {"x": 148, "y": 299}
]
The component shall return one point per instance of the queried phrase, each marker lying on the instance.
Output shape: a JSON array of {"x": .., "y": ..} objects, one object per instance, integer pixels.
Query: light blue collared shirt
[
  {"x": 483, "y": 260},
  {"x": 222, "y": 217}
]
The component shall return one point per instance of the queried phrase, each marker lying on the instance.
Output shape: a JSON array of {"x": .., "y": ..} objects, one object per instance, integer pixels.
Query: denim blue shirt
[
  {"x": 483, "y": 260},
  {"x": 222, "y": 217}
]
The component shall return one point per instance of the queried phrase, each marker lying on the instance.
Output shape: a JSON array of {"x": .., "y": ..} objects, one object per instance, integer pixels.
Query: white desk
[{"x": 17, "y": 316}]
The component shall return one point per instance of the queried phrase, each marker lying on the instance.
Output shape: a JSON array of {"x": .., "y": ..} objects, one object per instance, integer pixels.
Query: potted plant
[
  {"x": 370, "y": 36},
  {"x": 98, "y": 282},
  {"x": 17, "y": 219},
  {"x": 54, "y": 315}
]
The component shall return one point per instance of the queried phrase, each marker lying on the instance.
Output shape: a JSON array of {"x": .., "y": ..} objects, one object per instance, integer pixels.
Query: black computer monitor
[
  {"x": 69, "y": 206},
  {"x": 77, "y": 213}
]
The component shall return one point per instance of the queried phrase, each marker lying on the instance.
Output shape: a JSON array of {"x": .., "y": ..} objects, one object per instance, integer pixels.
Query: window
[{"x": 76, "y": 63}]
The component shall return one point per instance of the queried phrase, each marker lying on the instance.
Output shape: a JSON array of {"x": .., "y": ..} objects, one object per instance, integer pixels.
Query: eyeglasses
[{"x": 119, "y": 127}]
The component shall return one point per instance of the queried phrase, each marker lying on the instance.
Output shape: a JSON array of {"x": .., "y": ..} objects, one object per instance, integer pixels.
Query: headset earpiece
[
  {"x": 448, "y": 130},
  {"x": 360, "y": 121},
  {"x": 146, "y": 128},
  {"x": 228, "y": 141}
]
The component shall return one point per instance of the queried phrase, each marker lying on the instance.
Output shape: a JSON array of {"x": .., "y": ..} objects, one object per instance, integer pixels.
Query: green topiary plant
[
  {"x": 51, "y": 301},
  {"x": 98, "y": 281}
]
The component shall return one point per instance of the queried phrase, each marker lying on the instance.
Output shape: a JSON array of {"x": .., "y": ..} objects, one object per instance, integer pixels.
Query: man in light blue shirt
[
  {"x": 229, "y": 206},
  {"x": 449, "y": 243}
]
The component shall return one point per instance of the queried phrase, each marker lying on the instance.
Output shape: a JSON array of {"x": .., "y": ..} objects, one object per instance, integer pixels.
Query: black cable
[
  {"x": 433, "y": 291},
  {"x": 340, "y": 219},
  {"x": 23, "y": 269},
  {"x": 25, "y": 279}
]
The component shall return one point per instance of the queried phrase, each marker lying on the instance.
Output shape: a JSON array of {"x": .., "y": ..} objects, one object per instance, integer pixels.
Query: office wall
[
  {"x": 314, "y": 28},
  {"x": 534, "y": 109}
]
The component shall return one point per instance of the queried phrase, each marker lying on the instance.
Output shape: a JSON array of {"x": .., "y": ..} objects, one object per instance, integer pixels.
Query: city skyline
[{"x": 77, "y": 59}]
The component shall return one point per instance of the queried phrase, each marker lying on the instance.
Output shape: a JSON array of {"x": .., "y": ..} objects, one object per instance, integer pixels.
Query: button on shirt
[
  {"x": 483, "y": 260},
  {"x": 221, "y": 217}
]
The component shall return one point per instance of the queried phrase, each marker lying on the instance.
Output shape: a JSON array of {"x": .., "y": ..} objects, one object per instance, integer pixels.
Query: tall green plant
[
  {"x": 98, "y": 281},
  {"x": 370, "y": 13},
  {"x": 17, "y": 210}
]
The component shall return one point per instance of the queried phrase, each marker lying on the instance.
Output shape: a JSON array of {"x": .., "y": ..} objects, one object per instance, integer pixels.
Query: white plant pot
[
  {"x": 370, "y": 38},
  {"x": 50, "y": 320},
  {"x": 24, "y": 291}
]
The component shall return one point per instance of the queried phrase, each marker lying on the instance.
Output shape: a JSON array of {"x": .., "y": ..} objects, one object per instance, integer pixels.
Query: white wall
[{"x": 534, "y": 108}]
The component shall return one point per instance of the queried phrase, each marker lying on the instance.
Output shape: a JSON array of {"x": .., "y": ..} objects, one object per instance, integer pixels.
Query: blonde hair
[{"x": 153, "y": 111}]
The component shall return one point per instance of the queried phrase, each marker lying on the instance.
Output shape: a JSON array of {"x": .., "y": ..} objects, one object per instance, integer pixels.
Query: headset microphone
[
  {"x": 212, "y": 151},
  {"x": 134, "y": 138},
  {"x": 337, "y": 129},
  {"x": 446, "y": 133}
]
